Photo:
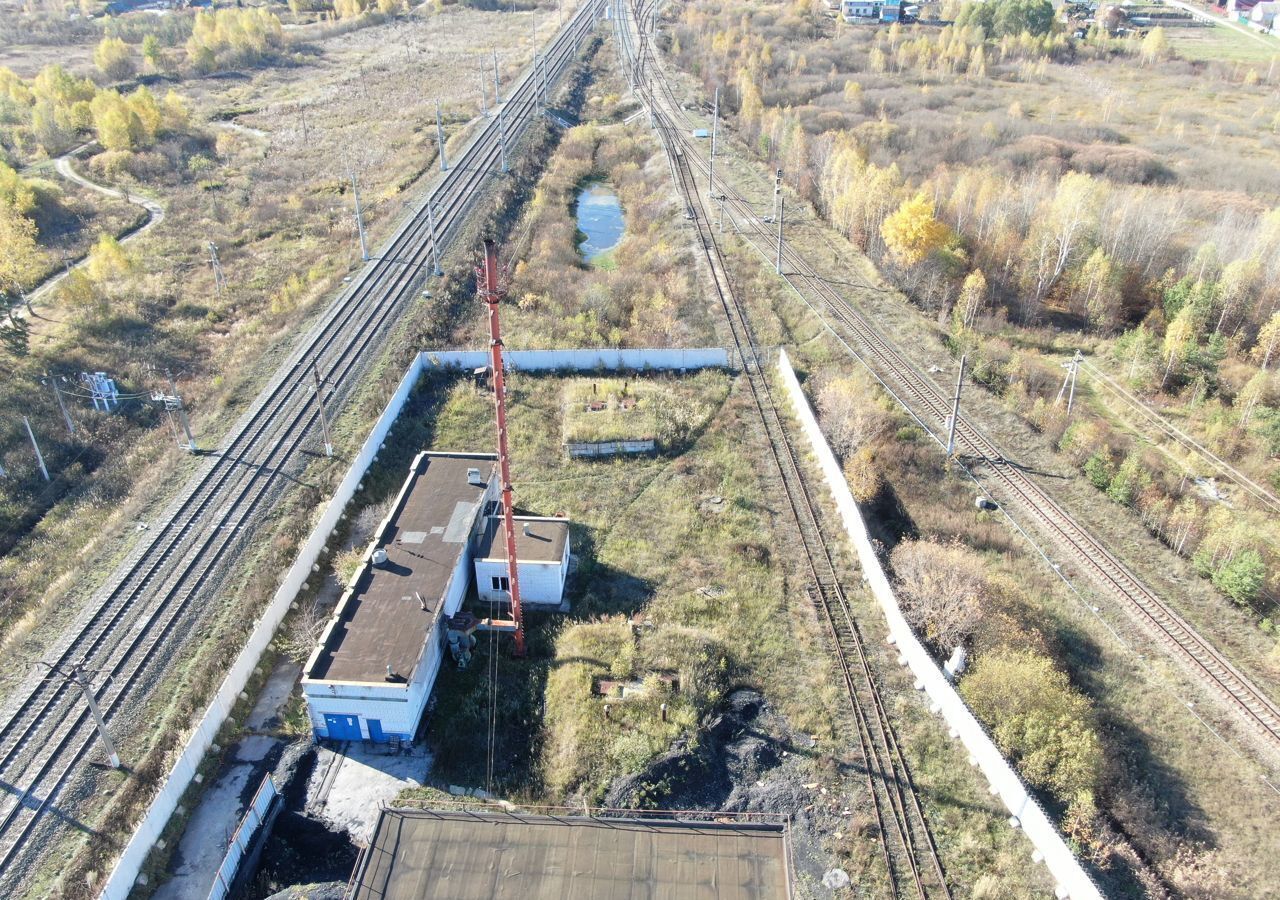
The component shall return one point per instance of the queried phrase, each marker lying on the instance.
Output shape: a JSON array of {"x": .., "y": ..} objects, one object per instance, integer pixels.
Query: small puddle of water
[{"x": 600, "y": 219}]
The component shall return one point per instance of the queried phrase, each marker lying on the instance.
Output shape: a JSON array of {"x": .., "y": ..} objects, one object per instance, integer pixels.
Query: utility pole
[
  {"x": 435, "y": 241},
  {"x": 1072, "y": 366},
  {"x": 78, "y": 677},
  {"x": 219, "y": 277},
  {"x": 502, "y": 138},
  {"x": 39, "y": 456},
  {"x": 955, "y": 410},
  {"x": 484, "y": 107},
  {"x": 324, "y": 422},
  {"x": 355, "y": 190},
  {"x": 444, "y": 164},
  {"x": 57, "y": 394},
  {"x": 173, "y": 405},
  {"x": 777, "y": 192},
  {"x": 711, "y": 167},
  {"x": 781, "y": 214},
  {"x": 497, "y": 84}
]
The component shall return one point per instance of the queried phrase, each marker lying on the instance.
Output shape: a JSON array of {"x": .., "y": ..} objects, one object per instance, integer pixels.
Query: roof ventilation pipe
[{"x": 380, "y": 558}]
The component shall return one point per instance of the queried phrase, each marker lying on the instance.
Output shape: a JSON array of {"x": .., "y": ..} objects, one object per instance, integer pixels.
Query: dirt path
[{"x": 155, "y": 214}]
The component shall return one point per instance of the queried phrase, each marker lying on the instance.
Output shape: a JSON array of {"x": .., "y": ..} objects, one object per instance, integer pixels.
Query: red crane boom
[{"x": 492, "y": 296}]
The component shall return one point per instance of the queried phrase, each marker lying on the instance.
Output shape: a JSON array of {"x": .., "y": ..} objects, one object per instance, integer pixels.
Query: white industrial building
[
  {"x": 861, "y": 9},
  {"x": 542, "y": 548},
  {"x": 372, "y": 673}
]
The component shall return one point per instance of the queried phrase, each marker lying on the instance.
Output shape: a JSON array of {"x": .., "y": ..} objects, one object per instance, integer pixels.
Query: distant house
[
  {"x": 1263, "y": 15},
  {"x": 1240, "y": 9},
  {"x": 891, "y": 11},
  {"x": 853, "y": 10}
]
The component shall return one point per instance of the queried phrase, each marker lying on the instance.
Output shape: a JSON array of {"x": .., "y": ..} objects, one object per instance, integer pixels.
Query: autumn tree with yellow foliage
[
  {"x": 913, "y": 233},
  {"x": 114, "y": 59}
]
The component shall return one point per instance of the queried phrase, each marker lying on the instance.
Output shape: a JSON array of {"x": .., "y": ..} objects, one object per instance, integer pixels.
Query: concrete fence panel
[
  {"x": 587, "y": 360},
  {"x": 1026, "y": 813}
]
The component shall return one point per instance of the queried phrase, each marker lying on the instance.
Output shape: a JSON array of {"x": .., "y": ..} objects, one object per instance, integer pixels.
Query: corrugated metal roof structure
[{"x": 419, "y": 854}]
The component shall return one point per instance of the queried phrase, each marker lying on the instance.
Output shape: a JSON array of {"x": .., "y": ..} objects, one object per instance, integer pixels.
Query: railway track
[
  {"x": 133, "y": 625},
  {"x": 912, "y": 863},
  {"x": 932, "y": 406}
]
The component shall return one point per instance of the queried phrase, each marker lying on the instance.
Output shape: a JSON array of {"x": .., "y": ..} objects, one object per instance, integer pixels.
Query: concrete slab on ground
[
  {"x": 208, "y": 832},
  {"x": 275, "y": 694},
  {"x": 367, "y": 776}
]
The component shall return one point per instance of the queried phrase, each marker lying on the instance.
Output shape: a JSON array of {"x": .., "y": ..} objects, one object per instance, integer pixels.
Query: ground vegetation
[{"x": 1038, "y": 192}]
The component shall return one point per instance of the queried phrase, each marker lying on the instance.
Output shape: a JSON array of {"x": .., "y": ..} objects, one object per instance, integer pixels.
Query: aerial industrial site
[{"x": 627, "y": 448}]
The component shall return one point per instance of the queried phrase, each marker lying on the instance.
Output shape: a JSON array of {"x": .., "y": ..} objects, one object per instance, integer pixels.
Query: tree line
[{"x": 1179, "y": 286}]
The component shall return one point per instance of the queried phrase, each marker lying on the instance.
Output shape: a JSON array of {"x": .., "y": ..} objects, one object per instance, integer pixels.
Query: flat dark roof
[
  {"x": 433, "y": 855},
  {"x": 537, "y": 540},
  {"x": 382, "y": 621}
]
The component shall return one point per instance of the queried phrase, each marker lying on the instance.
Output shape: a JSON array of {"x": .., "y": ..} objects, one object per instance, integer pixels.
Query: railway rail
[
  {"x": 912, "y": 863},
  {"x": 153, "y": 600},
  {"x": 931, "y": 405}
]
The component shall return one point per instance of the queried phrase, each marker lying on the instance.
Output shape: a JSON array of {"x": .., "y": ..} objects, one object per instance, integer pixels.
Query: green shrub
[
  {"x": 1099, "y": 469},
  {"x": 1129, "y": 481},
  {"x": 1038, "y": 719},
  {"x": 1241, "y": 577}
]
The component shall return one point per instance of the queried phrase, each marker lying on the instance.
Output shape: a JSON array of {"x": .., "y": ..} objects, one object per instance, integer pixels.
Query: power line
[{"x": 57, "y": 394}]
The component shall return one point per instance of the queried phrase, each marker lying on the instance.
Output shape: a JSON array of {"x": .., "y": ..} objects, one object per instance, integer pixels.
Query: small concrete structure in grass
[
  {"x": 639, "y": 414},
  {"x": 377, "y": 659},
  {"x": 607, "y": 416}
]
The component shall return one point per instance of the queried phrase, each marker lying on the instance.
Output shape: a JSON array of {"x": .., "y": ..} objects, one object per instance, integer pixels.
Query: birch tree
[
  {"x": 973, "y": 297},
  {"x": 1179, "y": 341},
  {"x": 1234, "y": 289},
  {"x": 1268, "y": 343}
]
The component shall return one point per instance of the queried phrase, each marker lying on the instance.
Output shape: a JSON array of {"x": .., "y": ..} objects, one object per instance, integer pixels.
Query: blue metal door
[
  {"x": 342, "y": 728},
  {"x": 375, "y": 730}
]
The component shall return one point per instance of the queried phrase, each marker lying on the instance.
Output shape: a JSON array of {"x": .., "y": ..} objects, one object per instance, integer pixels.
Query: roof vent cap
[
  {"x": 379, "y": 557},
  {"x": 473, "y": 477}
]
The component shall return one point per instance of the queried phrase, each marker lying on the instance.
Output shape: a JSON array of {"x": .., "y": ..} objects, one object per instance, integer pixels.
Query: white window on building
[{"x": 501, "y": 583}]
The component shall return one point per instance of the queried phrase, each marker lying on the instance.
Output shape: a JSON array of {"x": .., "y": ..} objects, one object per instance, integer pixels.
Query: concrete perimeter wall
[
  {"x": 583, "y": 360},
  {"x": 165, "y": 802},
  {"x": 150, "y": 828},
  {"x": 1050, "y": 846}
]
